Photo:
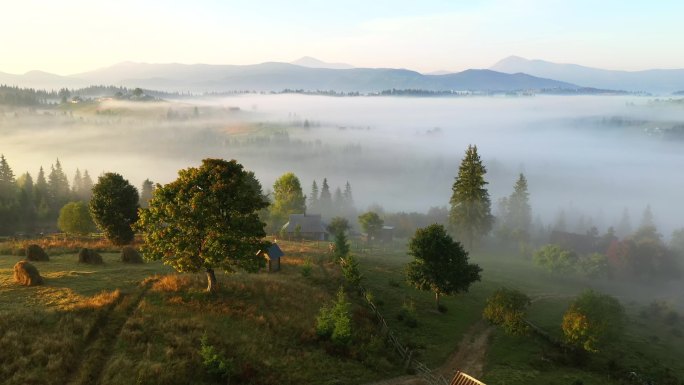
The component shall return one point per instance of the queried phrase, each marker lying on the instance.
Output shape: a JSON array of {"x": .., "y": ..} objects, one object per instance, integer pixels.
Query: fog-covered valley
[{"x": 587, "y": 156}]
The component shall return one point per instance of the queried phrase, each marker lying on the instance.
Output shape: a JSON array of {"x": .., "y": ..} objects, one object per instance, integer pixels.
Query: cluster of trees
[
  {"x": 340, "y": 203},
  {"x": 27, "y": 206},
  {"x": 642, "y": 256},
  {"x": 590, "y": 323},
  {"x": 15, "y": 96}
]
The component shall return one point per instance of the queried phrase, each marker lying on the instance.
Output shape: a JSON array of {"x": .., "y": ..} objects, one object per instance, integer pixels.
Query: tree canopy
[
  {"x": 114, "y": 207},
  {"x": 371, "y": 223},
  {"x": 593, "y": 320},
  {"x": 74, "y": 218},
  {"x": 440, "y": 264},
  {"x": 288, "y": 198},
  {"x": 470, "y": 216},
  {"x": 206, "y": 219}
]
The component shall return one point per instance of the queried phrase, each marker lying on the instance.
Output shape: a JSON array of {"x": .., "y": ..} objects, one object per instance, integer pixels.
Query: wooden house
[
  {"x": 272, "y": 255},
  {"x": 305, "y": 226}
]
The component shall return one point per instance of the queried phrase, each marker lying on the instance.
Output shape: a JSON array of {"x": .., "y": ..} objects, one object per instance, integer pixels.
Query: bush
[
  {"x": 306, "y": 268},
  {"x": 216, "y": 364},
  {"x": 350, "y": 269},
  {"x": 74, "y": 218},
  {"x": 593, "y": 320},
  {"x": 506, "y": 308},
  {"x": 555, "y": 259},
  {"x": 334, "y": 322},
  {"x": 407, "y": 314}
]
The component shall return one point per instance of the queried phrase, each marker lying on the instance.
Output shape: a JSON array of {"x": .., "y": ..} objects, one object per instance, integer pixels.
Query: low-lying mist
[{"x": 590, "y": 156}]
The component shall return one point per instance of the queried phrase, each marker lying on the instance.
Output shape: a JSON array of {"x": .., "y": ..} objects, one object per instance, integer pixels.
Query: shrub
[
  {"x": 408, "y": 314},
  {"x": 215, "y": 363},
  {"x": 306, "y": 268},
  {"x": 593, "y": 320},
  {"x": 334, "y": 322},
  {"x": 506, "y": 308},
  {"x": 350, "y": 269},
  {"x": 555, "y": 259},
  {"x": 74, "y": 218}
]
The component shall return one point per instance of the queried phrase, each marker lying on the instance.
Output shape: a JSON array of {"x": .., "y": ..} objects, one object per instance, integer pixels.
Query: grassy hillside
[{"x": 123, "y": 324}]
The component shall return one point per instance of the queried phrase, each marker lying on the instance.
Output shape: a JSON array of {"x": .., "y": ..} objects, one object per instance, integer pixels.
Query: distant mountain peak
[{"x": 312, "y": 62}]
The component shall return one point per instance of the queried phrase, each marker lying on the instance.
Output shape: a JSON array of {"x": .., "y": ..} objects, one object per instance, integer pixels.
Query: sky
[{"x": 71, "y": 36}]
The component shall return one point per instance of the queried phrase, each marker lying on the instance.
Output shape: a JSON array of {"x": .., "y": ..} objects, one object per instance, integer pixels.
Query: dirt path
[
  {"x": 469, "y": 357},
  {"x": 471, "y": 353},
  {"x": 100, "y": 343}
]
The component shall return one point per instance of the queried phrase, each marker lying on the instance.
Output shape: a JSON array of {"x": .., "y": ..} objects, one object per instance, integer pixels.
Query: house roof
[
  {"x": 273, "y": 252},
  {"x": 463, "y": 379},
  {"x": 307, "y": 223}
]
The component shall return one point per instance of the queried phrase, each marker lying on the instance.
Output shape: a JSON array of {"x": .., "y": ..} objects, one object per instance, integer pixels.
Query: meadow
[{"x": 119, "y": 324}]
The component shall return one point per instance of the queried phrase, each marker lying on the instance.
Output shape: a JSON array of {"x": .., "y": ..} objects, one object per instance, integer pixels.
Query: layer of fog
[{"x": 400, "y": 153}]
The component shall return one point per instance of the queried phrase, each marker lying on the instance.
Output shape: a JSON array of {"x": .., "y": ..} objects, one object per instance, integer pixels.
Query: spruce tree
[
  {"x": 338, "y": 202},
  {"x": 7, "y": 183},
  {"x": 87, "y": 186},
  {"x": 520, "y": 212},
  {"x": 146, "y": 193},
  {"x": 325, "y": 200},
  {"x": 77, "y": 185},
  {"x": 348, "y": 199},
  {"x": 40, "y": 196},
  {"x": 313, "y": 199},
  {"x": 57, "y": 189},
  {"x": 470, "y": 216}
]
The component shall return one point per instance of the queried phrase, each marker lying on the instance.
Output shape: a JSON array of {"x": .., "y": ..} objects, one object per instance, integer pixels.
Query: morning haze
[{"x": 188, "y": 196}]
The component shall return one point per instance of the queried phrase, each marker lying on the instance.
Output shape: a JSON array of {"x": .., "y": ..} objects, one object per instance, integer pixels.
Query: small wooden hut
[{"x": 272, "y": 255}]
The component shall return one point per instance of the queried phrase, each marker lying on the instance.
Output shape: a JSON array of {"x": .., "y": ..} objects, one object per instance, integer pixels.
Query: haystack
[
  {"x": 89, "y": 256},
  {"x": 130, "y": 255},
  {"x": 26, "y": 274},
  {"x": 36, "y": 253}
]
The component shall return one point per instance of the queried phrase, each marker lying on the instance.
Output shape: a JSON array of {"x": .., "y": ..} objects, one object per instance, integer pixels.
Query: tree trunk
[
  {"x": 437, "y": 300},
  {"x": 211, "y": 279}
]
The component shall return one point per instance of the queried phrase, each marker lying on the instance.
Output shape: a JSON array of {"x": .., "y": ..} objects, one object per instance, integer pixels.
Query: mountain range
[
  {"x": 307, "y": 73},
  {"x": 654, "y": 80}
]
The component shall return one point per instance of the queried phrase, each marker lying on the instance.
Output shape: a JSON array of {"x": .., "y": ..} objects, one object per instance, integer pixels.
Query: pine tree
[
  {"x": 77, "y": 185},
  {"x": 520, "y": 212},
  {"x": 348, "y": 200},
  {"x": 625, "y": 226},
  {"x": 57, "y": 188},
  {"x": 27, "y": 206},
  {"x": 338, "y": 202},
  {"x": 40, "y": 196},
  {"x": 87, "y": 186},
  {"x": 325, "y": 200},
  {"x": 7, "y": 183},
  {"x": 647, "y": 218},
  {"x": 313, "y": 199},
  {"x": 146, "y": 193},
  {"x": 470, "y": 215}
]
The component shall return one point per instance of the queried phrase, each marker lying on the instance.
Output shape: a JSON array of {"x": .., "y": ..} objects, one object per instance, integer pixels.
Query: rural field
[{"x": 119, "y": 323}]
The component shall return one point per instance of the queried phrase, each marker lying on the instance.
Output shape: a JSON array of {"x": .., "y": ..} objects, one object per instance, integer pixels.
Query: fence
[{"x": 403, "y": 351}]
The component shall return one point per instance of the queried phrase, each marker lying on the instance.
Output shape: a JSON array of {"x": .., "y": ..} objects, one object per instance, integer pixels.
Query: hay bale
[
  {"x": 36, "y": 253},
  {"x": 89, "y": 256},
  {"x": 130, "y": 255},
  {"x": 26, "y": 274}
]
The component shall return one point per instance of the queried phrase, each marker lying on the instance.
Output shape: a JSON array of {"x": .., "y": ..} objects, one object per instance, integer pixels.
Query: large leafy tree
[
  {"x": 146, "y": 193},
  {"x": 441, "y": 264},
  {"x": 114, "y": 207},
  {"x": 371, "y": 224},
  {"x": 74, "y": 218},
  {"x": 470, "y": 216},
  {"x": 288, "y": 198},
  {"x": 593, "y": 320},
  {"x": 208, "y": 218}
]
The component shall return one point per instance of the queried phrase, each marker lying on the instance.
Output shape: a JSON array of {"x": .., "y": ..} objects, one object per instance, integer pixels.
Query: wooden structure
[
  {"x": 305, "y": 226},
  {"x": 272, "y": 255},
  {"x": 463, "y": 379}
]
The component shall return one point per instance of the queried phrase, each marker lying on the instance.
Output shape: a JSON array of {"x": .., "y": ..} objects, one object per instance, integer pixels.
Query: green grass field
[{"x": 122, "y": 324}]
